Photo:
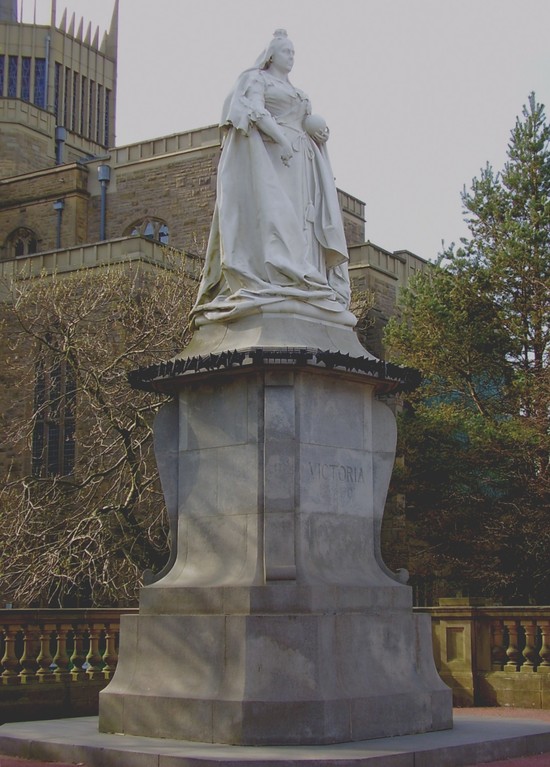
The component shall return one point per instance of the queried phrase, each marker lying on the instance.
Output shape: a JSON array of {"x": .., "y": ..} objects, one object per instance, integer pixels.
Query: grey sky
[{"x": 418, "y": 94}]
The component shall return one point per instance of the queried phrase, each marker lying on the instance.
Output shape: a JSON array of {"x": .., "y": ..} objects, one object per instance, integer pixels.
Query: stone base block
[
  {"x": 276, "y": 621},
  {"x": 270, "y": 679},
  {"x": 272, "y": 326},
  {"x": 280, "y": 597}
]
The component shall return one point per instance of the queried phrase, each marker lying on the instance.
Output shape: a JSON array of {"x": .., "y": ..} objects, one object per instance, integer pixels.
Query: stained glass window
[
  {"x": 83, "y": 104},
  {"x": 67, "y": 98},
  {"x": 163, "y": 234},
  {"x": 99, "y": 113},
  {"x": 40, "y": 83},
  {"x": 22, "y": 242},
  {"x": 152, "y": 228},
  {"x": 56, "y": 90},
  {"x": 53, "y": 442},
  {"x": 26, "y": 78},
  {"x": 40, "y": 418},
  {"x": 107, "y": 115},
  {"x": 91, "y": 110},
  {"x": 74, "y": 119},
  {"x": 68, "y": 448},
  {"x": 12, "y": 76}
]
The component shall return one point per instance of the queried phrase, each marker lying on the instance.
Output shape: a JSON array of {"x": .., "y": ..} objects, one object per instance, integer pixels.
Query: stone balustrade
[
  {"x": 53, "y": 663},
  {"x": 492, "y": 656},
  {"x": 124, "y": 250},
  {"x": 108, "y": 253},
  {"x": 175, "y": 143}
]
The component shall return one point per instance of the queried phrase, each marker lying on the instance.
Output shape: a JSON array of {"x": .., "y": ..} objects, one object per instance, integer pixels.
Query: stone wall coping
[{"x": 487, "y": 611}]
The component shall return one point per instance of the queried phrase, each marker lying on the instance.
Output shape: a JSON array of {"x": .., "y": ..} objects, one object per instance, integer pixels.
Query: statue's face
[{"x": 283, "y": 55}]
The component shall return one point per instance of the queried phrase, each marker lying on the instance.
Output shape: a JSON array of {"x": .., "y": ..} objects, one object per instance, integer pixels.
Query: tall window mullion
[
  {"x": 26, "y": 78},
  {"x": 68, "y": 447},
  {"x": 67, "y": 98},
  {"x": 57, "y": 91},
  {"x": 53, "y": 442},
  {"x": 13, "y": 66},
  {"x": 74, "y": 117},
  {"x": 91, "y": 110},
  {"x": 83, "y": 103},
  {"x": 106, "y": 132},
  {"x": 39, "y": 431},
  {"x": 99, "y": 113},
  {"x": 39, "y": 96}
]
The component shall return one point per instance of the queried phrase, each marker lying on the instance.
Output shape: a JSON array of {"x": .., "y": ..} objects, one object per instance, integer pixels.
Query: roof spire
[{"x": 112, "y": 36}]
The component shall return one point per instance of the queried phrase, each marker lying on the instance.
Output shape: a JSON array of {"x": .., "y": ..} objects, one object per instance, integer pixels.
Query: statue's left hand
[{"x": 321, "y": 136}]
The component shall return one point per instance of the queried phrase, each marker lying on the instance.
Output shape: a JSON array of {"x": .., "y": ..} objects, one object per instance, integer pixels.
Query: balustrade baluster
[
  {"x": 44, "y": 659},
  {"x": 545, "y": 649},
  {"x": 77, "y": 658},
  {"x": 94, "y": 659},
  {"x": 110, "y": 658},
  {"x": 530, "y": 651},
  {"x": 498, "y": 650},
  {"x": 513, "y": 653},
  {"x": 28, "y": 661},
  {"x": 9, "y": 661},
  {"x": 61, "y": 658}
]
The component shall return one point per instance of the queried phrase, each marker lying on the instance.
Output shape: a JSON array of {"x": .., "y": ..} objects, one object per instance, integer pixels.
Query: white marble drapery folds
[{"x": 277, "y": 230}]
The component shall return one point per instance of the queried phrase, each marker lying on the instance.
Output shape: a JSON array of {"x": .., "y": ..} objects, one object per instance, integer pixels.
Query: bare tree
[{"x": 81, "y": 512}]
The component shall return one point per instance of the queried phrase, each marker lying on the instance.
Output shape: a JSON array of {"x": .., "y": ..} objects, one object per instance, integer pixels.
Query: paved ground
[
  {"x": 539, "y": 760},
  {"x": 11, "y": 761},
  {"x": 542, "y": 760}
]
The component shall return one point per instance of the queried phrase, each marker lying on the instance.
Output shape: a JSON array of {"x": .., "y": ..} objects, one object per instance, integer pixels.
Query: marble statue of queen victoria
[{"x": 277, "y": 231}]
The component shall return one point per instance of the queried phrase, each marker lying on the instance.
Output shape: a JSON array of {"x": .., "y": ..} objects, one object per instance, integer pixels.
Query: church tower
[{"x": 57, "y": 90}]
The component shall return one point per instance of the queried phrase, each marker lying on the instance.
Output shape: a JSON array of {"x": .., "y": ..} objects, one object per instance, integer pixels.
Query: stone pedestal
[{"x": 276, "y": 621}]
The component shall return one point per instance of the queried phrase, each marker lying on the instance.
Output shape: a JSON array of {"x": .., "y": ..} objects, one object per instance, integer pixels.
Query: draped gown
[{"x": 277, "y": 229}]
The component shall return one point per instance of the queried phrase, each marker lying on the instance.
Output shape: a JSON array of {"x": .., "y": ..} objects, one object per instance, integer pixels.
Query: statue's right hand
[{"x": 286, "y": 152}]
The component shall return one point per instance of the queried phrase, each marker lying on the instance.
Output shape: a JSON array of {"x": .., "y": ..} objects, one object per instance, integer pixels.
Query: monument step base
[
  {"x": 284, "y": 723},
  {"x": 473, "y": 740},
  {"x": 276, "y": 678}
]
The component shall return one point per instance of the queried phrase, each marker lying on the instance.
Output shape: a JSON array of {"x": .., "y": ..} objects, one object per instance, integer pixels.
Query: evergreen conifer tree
[{"x": 476, "y": 473}]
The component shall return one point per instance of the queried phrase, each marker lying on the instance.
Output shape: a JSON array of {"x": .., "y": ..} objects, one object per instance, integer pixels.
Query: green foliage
[
  {"x": 476, "y": 438},
  {"x": 449, "y": 329},
  {"x": 476, "y": 511},
  {"x": 509, "y": 218}
]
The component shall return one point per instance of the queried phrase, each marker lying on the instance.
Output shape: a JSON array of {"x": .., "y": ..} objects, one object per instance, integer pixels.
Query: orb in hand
[{"x": 313, "y": 124}]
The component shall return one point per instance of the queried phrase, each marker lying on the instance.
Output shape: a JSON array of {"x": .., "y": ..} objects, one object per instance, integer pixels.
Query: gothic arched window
[
  {"x": 21, "y": 242},
  {"x": 152, "y": 228},
  {"x": 53, "y": 438}
]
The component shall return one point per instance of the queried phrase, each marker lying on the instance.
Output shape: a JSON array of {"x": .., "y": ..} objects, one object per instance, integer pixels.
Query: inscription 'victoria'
[{"x": 337, "y": 471}]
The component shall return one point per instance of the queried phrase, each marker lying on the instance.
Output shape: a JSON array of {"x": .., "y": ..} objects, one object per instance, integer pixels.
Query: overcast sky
[{"x": 418, "y": 94}]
